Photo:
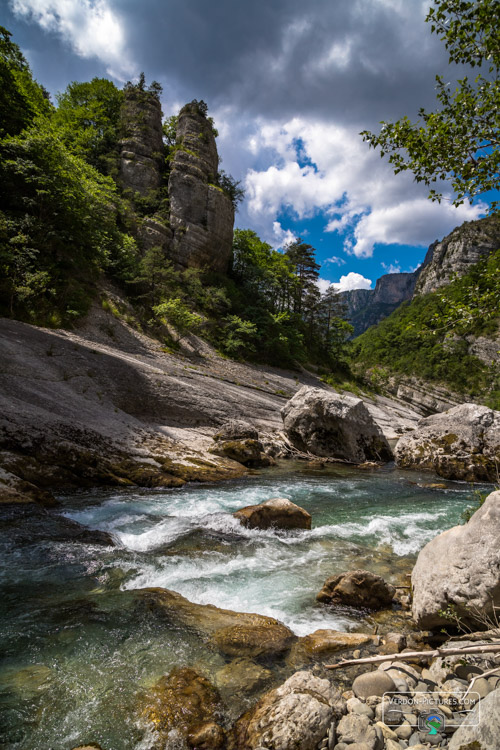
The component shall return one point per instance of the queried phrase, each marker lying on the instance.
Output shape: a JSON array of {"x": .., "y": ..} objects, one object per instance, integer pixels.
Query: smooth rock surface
[
  {"x": 295, "y": 715},
  {"x": 372, "y": 683},
  {"x": 327, "y": 640},
  {"x": 278, "y": 512},
  {"x": 357, "y": 588},
  {"x": 460, "y": 567},
  {"x": 486, "y": 734},
  {"x": 338, "y": 426},
  {"x": 462, "y": 443},
  {"x": 233, "y": 633}
]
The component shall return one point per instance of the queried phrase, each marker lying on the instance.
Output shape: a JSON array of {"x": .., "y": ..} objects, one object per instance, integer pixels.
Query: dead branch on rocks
[
  {"x": 484, "y": 674},
  {"x": 311, "y": 456},
  {"x": 409, "y": 655}
]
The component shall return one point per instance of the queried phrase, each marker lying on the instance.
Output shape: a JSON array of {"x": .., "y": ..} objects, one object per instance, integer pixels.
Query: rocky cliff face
[
  {"x": 201, "y": 214},
  {"x": 142, "y": 149},
  {"x": 366, "y": 307},
  {"x": 457, "y": 252},
  {"x": 198, "y": 231}
]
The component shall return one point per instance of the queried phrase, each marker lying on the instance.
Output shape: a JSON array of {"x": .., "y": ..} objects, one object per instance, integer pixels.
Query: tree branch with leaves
[{"x": 458, "y": 142}]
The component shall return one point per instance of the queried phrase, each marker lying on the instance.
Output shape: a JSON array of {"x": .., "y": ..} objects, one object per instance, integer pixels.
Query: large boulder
[
  {"x": 184, "y": 707},
  {"x": 333, "y": 425},
  {"x": 461, "y": 568},
  {"x": 233, "y": 633},
  {"x": 357, "y": 588},
  {"x": 482, "y": 729},
  {"x": 295, "y": 715},
  {"x": 277, "y": 512},
  {"x": 462, "y": 443}
]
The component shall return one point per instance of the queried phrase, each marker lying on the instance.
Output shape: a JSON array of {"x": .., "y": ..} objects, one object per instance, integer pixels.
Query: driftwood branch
[
  {"x": 485, "y": 674},
  {"x": 311, "y": 456},
  {"x": 409, "y": 655}
]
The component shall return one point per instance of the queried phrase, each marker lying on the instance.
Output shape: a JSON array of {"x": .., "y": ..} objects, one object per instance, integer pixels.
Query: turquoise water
[{"x": 78, "y": 652}]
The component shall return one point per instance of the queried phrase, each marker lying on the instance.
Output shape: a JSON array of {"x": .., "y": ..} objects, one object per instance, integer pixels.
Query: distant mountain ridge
[
  {"x": 454, "y": 254},
  {"x": 366, "y": 307}
]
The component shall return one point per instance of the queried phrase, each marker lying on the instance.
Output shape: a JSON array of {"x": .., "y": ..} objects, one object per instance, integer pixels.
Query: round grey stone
[{"x": 373, "y": 683}]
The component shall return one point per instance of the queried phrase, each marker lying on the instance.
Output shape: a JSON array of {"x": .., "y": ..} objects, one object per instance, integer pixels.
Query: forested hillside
[{"x": 450, "y": 337}]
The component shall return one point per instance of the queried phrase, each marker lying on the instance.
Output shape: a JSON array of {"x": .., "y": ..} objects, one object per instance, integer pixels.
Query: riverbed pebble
[
  {"x": 355, "y": 706},
  {"x": 372, "y": 683}
]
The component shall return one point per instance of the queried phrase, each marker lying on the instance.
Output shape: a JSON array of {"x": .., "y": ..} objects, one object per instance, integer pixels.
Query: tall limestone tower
[{"x": 198, "y": 232}]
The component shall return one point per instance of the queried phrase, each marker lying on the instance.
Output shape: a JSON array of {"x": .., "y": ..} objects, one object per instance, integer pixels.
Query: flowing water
[{"x": 79, "y": 654}]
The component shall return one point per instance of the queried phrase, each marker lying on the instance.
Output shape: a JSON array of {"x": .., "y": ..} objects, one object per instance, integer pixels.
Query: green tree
[
  {"x": 179, "y": 316},
  {"x": 21, "y": 97},
  {"x": 459, "y": 141},
  {"x": 88, "y": 116},
  {"x": 300, "y": 255},
  {"x": 58, "y": 226}
]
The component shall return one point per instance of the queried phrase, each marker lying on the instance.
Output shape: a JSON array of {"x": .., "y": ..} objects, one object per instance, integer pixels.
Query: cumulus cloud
[
  {"x": 323, "y": 285},
  {"x": 367, "y": 203},
  {"x": 91, "y": 27},
  {"x": 352, "y": 281},
  {"x": 412, "y": 222},
  {"x": 347, "y": 283},
  {"x": 281, "y": 236}
]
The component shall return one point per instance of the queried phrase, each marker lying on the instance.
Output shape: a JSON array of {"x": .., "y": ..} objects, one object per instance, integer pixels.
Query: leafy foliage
[
  {"x": 88, "y": 117},
  {"x": 459, "y": 141},
  {"x": 21, "y": 98},
  {"x": 58, "y": 225},
  {"x": 428, "y": 336},
  {"x": 178, "y": 314},
  {"x": 277, "y": 293},
  {"x": 231, "y": 187}
]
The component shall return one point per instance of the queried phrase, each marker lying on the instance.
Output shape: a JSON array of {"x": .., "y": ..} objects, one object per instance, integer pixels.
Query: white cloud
[
  {"x": 323, "y": 285},
  {"x": 367, "y": 203},
  {"x": 412, "y": 222},
  {"x": 391, "y": 267},
  {"x": 335, "y": 261},
  {"x": 282, "y": 237},
  {"x": 352, "y": 281},
  {"x": 91, "y": 27}
]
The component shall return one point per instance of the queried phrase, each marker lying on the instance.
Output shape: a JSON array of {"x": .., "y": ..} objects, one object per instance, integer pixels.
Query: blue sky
[{"x": 290, "y": 86}]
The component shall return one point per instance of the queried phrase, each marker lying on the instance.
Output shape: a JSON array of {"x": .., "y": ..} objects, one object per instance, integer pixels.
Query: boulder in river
[
  {"x": 184, "y": 707},
  {"x": 295, "y": 715},
  {"x": 462, "y": 443},
  {"x": 233, "y": 633},
  {"x": 333, "y": 425},
  {"x": 460, "y": 568},
  {"x": 278, "y": 512},
  {"x": 357, "y": 588}
]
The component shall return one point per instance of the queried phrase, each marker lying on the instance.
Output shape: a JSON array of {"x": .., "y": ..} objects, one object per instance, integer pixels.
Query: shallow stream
[{"x": 78, "y": 653}]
